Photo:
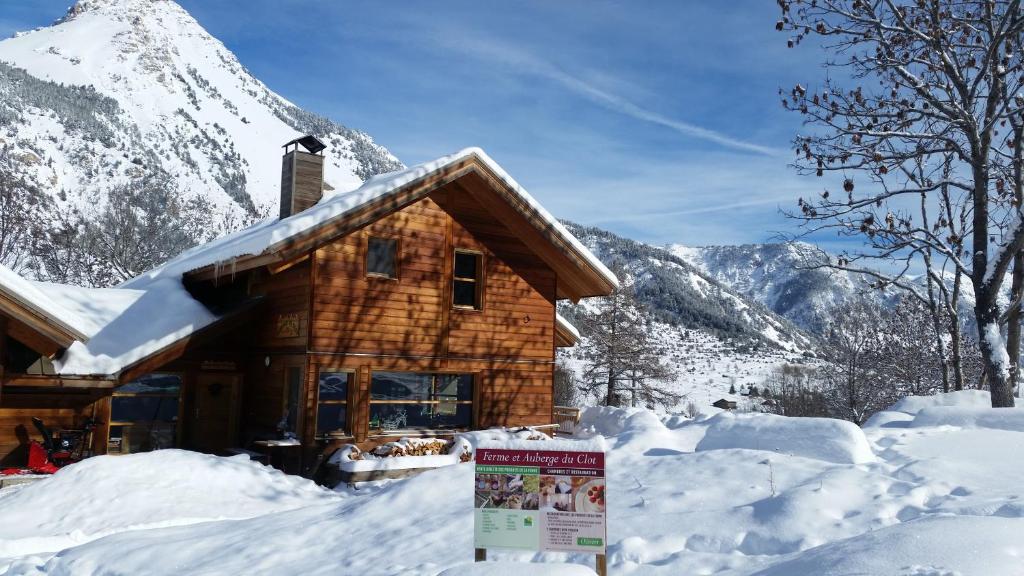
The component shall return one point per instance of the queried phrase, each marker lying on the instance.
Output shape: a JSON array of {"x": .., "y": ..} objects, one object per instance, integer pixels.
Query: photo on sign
[
  {"x": 507, "y": 491},
  {"x": 588, "y": 494}
]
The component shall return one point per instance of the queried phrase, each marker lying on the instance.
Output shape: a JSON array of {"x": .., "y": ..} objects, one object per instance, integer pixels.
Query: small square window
[
  {"x": 466, "y": 285},
  {"x": 381, "y": 257}
]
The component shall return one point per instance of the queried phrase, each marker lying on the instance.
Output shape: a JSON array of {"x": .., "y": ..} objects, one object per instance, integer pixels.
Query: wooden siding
[
  {"x": 408, "y": 323},
  {"x": 286, "y": 295}
]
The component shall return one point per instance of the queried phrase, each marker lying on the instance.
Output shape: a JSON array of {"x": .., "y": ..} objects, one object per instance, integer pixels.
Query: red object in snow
[{"x": 38, "y": 461}]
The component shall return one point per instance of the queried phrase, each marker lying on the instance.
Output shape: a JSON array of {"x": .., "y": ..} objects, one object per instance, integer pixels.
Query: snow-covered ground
[{"x": 930, "y": 488}]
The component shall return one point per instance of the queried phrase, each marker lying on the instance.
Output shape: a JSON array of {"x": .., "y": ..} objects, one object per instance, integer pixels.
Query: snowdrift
[
  {"x": 919, "y": 548},
  {"x": 819, "y": 438},
  {"x": 963, "y": 398},
  {"x": 935, "y": 501},
  {"x": 108, "y": 494},
  {"x": 970, "y": 417}
]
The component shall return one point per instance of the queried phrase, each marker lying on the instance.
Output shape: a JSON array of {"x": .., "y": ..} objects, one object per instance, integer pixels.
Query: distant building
[{"x": 725, "y": 404}]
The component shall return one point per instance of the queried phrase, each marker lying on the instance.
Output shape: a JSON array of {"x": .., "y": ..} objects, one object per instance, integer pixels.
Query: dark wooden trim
[{"x": 48, "y": 381}]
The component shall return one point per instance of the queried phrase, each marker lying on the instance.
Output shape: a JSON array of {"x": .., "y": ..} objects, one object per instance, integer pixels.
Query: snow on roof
[
  {"x": 123, "y": 325},
  {"x": 115, "y": 327},
  {"x": 257, "y": 239},
  {"x": 29, "y": 294},
  {"x": 565, "y": 325},
  {"x": 132, "y": 325}
]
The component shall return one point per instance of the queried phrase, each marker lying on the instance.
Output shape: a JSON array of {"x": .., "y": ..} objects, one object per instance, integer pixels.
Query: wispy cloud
[
  {"x": 528, "y": 63},
  {"x": 729, "y": 206}
]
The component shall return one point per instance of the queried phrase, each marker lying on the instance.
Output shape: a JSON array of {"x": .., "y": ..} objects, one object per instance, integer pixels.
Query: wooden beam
[
  {"x": 282, "y": 266},
  {"x": 34, "y": 381}
]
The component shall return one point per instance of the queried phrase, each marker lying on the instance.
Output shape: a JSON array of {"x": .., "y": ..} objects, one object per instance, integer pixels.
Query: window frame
[
  {"x": 397, "y": 256},
  {"x": 478, "y": 281},
  {"x": 347, "y": 402},
  {"x": 125, "y": 425},
  {"x": 472, "y": 402}
]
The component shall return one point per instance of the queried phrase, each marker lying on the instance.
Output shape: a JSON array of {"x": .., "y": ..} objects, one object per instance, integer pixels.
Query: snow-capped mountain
[
  {"x": 678, "y": 293},
  {"x": 714, "y": 337},
  {"x": 781, "y": 277},
  {"x": 118, "y": 86}
]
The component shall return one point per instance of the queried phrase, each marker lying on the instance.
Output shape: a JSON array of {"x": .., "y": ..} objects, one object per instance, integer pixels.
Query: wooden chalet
[{"x": 421, "y": 303}]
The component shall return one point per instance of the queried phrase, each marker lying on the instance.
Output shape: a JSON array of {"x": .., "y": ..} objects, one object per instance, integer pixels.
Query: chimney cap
[{"x": 309, "y": 142}]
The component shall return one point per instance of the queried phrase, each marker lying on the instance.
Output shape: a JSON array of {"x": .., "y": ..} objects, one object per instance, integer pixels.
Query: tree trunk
[
  {"x": 955, "y": 335},
  {"x": 993, "y": 353},
  {"x": 1013, "y": 319}
]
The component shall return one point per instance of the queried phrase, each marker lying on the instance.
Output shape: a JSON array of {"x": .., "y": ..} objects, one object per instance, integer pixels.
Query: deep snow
[{"x": 933, "y": 500}]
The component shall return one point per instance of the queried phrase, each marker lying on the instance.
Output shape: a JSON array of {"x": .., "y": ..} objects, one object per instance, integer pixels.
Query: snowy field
[{"x": 931, "y": 488}]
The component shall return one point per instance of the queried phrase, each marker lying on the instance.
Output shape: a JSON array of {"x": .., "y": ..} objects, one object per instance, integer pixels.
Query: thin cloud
[
  {"x": 531, "y": 64},
  {"x": 692, "y": 211}
]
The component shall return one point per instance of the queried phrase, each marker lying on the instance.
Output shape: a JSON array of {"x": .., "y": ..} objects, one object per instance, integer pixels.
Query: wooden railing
[{"x": 567, "y": 418}]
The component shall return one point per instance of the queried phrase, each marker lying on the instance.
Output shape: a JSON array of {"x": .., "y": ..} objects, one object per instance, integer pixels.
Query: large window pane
[
  {"x": 334, "y": 385},
  {"x": 466, "y": 265},
  {"x": 381, "y": 256},
  {"x": 455, "y": 387},
  {"x": 143, "y": 409},
  {"x": 401, "y": 386},
  {"x": 331, "y": 418},
  {"x": 401, "y": 400},
  {"x": 152, "y": 384},
  {"x": 464, "y": 294}
]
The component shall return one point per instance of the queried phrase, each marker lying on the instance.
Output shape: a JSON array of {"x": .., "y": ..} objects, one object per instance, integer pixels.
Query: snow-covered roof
[
  {"x": 264, "y": 236},
  {"x": 113, "y": 327},
  {"x": 117, "y": 327},
  {"x": 30, "y": 295},
  {"x": 564, "y": 324}
]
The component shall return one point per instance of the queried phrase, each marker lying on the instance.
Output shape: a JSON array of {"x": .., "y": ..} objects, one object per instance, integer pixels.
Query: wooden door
[{"x": 214, "y": 414}]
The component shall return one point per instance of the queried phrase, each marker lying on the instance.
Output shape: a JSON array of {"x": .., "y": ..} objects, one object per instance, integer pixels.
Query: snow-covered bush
[{"x": 819, "y": 438}]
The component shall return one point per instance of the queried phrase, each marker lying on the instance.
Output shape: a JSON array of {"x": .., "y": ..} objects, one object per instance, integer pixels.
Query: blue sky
[{"x": 658, "y": 120}]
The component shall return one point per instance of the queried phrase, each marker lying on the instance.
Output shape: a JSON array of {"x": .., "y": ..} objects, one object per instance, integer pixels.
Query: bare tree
[
  {"x": 925, "y": 117},
  {"x": 794, "y": 391},
  {"x": 20, "y": 206},
  {"x": 620, "y": 356},
  {"x": 565, "y": 387},
  {"x": 144, "y": 223},
  {"x": 853, "y": 381}
]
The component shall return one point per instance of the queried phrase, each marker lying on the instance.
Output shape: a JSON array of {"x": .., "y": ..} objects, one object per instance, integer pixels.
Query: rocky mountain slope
[
  {"x": 713, "y": 336},
  {"x": 119, "y": 87},
  {"x": 781, "y": 277}
]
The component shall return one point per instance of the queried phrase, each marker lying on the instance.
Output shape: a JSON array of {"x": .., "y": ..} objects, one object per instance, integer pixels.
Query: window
[
  {"x": 403, "y": 400},
  {"x": 381, "y": 257},
  {"x": 144, "y": 414},
  {"x": 292, "y": 390},
  {"x": 332, "y": 403},
  {"x": 466, "y": 285}
]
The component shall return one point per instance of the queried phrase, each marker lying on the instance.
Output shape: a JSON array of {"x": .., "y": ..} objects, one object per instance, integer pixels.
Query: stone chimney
[{"x": 302, "y": 175}]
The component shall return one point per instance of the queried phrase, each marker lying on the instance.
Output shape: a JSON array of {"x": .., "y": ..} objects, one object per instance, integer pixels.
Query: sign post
[{"x": 540, "y": 499}]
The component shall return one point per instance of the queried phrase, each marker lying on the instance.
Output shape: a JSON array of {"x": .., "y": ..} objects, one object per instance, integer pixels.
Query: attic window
[
  {"x": 381, "y": 257},
  {"x": 466, "y": 281}
]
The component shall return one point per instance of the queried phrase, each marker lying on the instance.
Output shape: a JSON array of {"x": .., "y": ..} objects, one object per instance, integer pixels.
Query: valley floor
[{"x": 931, "y": 488}]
